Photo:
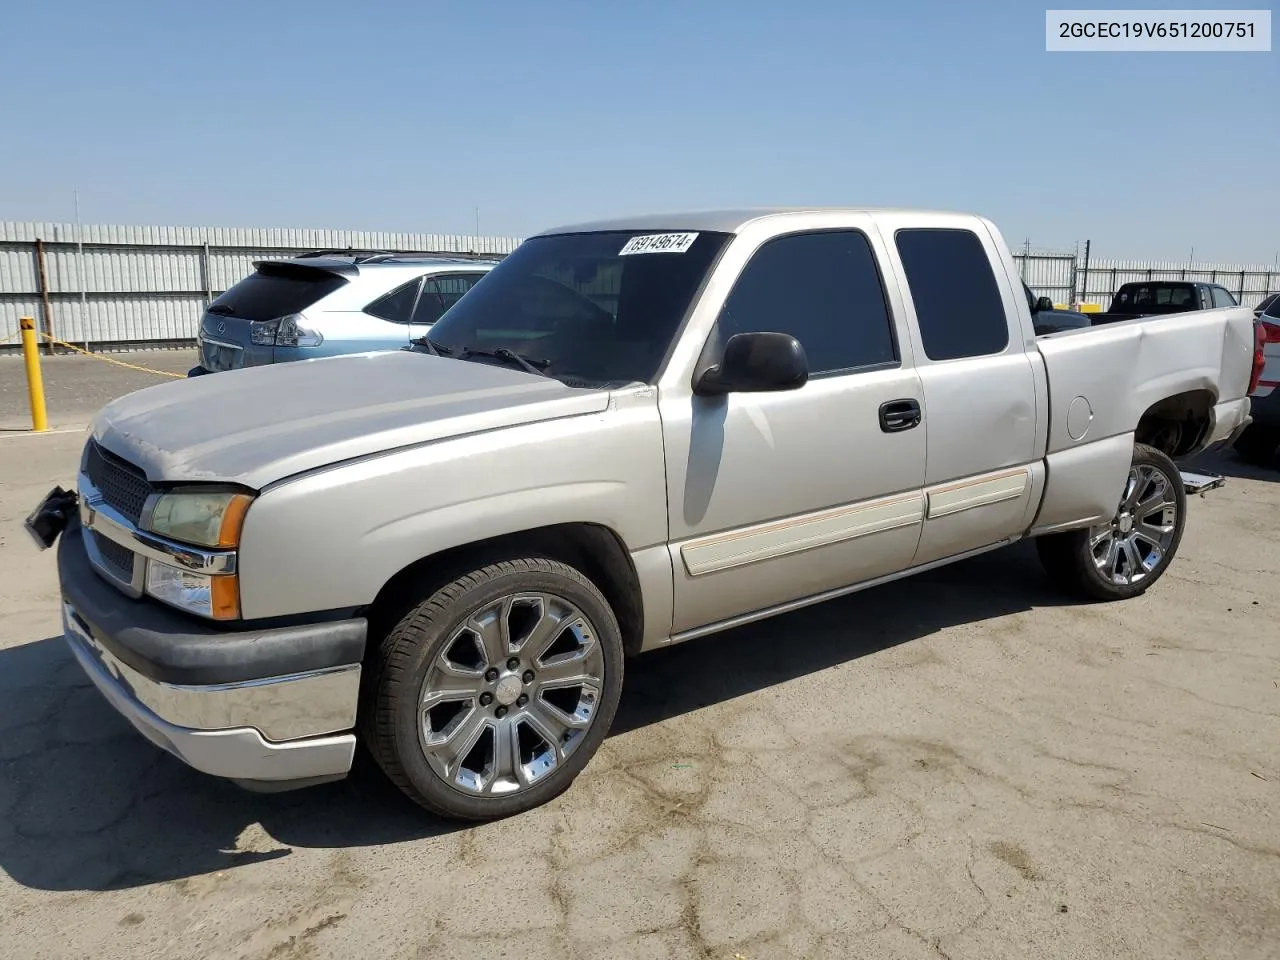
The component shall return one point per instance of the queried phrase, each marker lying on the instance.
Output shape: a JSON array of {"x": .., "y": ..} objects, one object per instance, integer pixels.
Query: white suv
[{"x": 323, "y": 304}]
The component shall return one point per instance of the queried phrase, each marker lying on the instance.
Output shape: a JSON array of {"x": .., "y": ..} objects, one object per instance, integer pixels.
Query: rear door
[
  {"x": 440, "y": 291},
  {"x": 386, "y": 322},
  {"x": 982, "y": 475},
  {"x": 410, "y": 310}
]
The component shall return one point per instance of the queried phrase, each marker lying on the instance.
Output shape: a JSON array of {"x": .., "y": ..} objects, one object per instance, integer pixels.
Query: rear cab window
[
  {"x": 958, "y": 306},
  {"x": 1157, "y": 297},
  {"x": 276, "y": 290},
  {"x": 1222, "y": 297}
]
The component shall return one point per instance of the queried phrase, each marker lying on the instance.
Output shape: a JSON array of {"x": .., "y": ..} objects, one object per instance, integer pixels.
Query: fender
[{"x": 348, "y": 529}]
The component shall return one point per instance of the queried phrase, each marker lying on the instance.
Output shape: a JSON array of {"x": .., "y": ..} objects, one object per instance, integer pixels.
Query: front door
[{"x": 775, "y": 497}]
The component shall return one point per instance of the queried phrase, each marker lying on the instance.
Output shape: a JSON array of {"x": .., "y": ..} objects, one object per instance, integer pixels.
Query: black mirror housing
[
  {"x": 756, "y": 363},
  {"x": 1044, "y": 304}
]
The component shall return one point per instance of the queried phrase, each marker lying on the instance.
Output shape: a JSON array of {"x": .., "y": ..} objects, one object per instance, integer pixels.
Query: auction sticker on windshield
[{"x": 659, "y": 243}]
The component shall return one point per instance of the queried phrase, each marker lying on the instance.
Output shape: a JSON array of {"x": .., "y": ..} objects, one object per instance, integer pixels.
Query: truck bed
[{"x": 1102, "y": 380}]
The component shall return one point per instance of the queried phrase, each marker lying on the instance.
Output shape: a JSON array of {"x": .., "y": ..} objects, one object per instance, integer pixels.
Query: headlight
[
  {"x": 203, "y": 519},
  {"x": 215, "y": 597}
]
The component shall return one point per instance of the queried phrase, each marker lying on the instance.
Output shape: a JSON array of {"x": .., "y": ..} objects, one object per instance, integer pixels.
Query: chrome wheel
[
  {"x": 511, "y": 695},
  {"x": 1135, "y": 542}
]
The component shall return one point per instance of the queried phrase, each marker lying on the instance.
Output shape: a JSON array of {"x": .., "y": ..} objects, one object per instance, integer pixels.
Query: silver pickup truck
[{"x": 627, "y": 435}]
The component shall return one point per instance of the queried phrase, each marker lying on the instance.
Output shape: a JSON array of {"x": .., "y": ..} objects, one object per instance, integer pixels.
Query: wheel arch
[
  {"x": 1177, "y": 424},
  {"x": 592, "y": 548}
]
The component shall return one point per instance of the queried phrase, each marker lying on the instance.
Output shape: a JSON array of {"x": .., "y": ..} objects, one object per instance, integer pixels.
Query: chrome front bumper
[{"x": 267, "y": 733}]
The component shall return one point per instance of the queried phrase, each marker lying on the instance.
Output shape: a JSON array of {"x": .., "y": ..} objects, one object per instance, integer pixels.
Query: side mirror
[
  {"x": 756, "y": 363},
  {"x": 1044, "y": 304}
]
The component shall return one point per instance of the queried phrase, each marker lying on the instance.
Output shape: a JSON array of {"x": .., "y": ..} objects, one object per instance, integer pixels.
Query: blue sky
[{"x": 408, "y": 115}]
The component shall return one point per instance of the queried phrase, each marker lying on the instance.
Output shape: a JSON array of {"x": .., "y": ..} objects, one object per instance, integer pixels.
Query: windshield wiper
[
  {"x": 530, "y": 364},
  {"x": 438, "y": 349}
]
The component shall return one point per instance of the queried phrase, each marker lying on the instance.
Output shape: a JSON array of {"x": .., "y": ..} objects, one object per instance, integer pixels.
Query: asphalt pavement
[{"x": 77, "y": 386}]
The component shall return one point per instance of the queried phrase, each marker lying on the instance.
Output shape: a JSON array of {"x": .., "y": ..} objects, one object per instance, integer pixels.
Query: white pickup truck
[{"x": 627, "y": 435}]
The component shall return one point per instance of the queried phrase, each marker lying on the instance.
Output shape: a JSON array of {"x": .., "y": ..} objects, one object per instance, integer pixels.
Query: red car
[{"x": 1260, "y": 440}]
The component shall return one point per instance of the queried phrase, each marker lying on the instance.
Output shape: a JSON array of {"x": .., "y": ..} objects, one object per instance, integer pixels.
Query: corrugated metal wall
[{"x": 149, "y": 284}]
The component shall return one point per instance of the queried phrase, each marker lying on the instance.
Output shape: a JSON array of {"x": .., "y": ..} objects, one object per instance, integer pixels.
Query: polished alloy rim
[
  {"x": 511, "y": 695},
  {"x": 1129, "y": 548}
]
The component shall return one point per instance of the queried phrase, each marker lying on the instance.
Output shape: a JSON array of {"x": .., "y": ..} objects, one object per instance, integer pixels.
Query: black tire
[
  {"x": 399, "y": 668},
  {"x": 1258, "y": 444},
  {"x": 1069, "y": 560}
]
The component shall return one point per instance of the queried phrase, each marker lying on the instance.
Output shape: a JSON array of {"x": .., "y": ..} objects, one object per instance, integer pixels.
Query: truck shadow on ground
[
  {"x": 1229, "y": 464},
  {"x": 87, "y": 804}
]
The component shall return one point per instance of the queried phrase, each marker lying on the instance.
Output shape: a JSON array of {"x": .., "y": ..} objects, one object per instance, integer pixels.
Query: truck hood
[{"x": 261, "y": 424}]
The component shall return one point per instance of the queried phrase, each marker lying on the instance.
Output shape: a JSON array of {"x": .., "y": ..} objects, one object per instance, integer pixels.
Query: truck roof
[{"x": 722, "y": 221}]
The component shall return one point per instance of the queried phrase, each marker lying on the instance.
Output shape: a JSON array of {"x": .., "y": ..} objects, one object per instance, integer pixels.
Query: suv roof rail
[
  {"x": 357, "y": 255},
  {"x": 382, "y": 256},
  {"x": 442, "y": 255}
]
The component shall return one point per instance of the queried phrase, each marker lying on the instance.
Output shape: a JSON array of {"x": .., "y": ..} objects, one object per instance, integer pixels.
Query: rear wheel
[
  {"x": 492, "y": 694},
  {"x": 1124, "y": 556},
  {"x": 1258, "y": 443}
]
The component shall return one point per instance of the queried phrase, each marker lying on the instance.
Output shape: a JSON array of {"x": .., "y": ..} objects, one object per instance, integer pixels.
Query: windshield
[
  {"x": 598, "y": 307},
  {"x": 1271, "y": 306}
]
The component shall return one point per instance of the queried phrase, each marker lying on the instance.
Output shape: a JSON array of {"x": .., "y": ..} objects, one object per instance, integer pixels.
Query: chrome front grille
[
  {"x": 113, "y": 499},
  {"x": 117, "y": 559},
  {"x": 121, "y": 485}
]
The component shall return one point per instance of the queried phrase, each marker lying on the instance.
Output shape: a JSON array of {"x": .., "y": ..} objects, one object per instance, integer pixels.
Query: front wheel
[
  {"x": 1125, "y": 555},
  {"x": 492, "y": 694}
]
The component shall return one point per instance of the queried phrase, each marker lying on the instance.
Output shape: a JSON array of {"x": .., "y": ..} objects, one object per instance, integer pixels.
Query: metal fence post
[
  {"x": 1084, "y": 281},
  {"x": 42, "y": 278},
  {"x": 35, "y": 381}
]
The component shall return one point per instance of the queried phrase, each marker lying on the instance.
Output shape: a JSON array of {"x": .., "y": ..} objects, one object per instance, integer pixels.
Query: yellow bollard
[{"x": 35, "y": 382}]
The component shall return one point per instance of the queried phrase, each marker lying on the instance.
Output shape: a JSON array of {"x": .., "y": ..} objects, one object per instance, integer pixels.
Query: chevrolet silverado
[{"x": 631, "y": 434}]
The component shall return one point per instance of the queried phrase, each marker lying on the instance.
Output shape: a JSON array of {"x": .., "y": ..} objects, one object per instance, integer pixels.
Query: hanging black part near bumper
[{"x": 48, "y": 520}]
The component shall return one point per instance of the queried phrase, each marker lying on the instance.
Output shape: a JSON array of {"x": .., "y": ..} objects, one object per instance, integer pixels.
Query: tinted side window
[
  {"x": 441, "y": 293},
  {"x": 396, "y": 306},
  {"x": 822, "y": 288},
  {"x": 1222, "y": 297},
  {"x": 957, "y": 301}
]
